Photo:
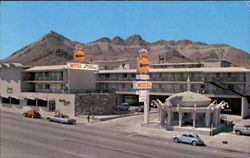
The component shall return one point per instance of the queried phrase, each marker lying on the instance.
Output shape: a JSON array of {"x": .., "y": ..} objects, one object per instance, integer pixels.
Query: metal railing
[
  {"x": 182, "y": 79},
  {"x": 43, "y": 78}
]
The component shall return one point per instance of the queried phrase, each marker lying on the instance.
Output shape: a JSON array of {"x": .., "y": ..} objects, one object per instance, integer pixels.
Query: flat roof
[
  {"x": 46, "y": 68},
  {"x": 202, "y": 69},
  {"x": 196, "y": 63},
  {"x": 12, "y": 65}
]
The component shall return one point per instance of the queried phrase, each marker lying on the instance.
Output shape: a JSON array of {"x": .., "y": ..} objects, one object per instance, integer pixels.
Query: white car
[
  {"x": 61, "y": 118},
  {"x": 242, "y": 128}
]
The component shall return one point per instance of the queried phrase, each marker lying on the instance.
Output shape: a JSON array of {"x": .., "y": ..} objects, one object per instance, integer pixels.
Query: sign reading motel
[
  {"x": 80, "y": 66},
  {"x": 142, "y": 85}
]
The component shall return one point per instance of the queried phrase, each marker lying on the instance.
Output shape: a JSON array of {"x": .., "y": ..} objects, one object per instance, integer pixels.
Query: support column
[
  {"x": 159, "y": 113},
  {"x": 146, "y": 109},
  {"x": 180, "y": 118},
  {"x": 207, "y": 118},
  {"x": 215, "y": 117},
  {"x": 169, "y": 117},
  {"x": 161, "y": 116},
  {"x": 194, "y": 118},
  {"x": 245, "y": 112}
]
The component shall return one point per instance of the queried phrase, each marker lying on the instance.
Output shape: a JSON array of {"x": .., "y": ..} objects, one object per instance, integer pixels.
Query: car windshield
[{"x": 64, "y": 116}]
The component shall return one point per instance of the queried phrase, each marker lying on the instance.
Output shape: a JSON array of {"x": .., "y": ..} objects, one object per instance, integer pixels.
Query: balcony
[
  {"x": 43, "y": 78},
  {"x": 116, "y": 79},
  {"x": 49, "y": 78},
  {"x": 224, "y": 79},
  {"x": 179, "y": 79}
]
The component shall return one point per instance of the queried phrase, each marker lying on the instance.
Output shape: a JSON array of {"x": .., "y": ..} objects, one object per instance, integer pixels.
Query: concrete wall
[
  {"x": 81, "y": 79},
  {"x": 95, "y": 103},
  {"x": 10, "y": 78},
  {"x": 65, "y": 103}
]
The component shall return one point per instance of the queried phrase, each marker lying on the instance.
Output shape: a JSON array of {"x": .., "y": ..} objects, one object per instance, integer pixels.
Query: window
[
  {"x": 191, "y": 136},
  {"x": 6, "y": 100},
  {"x": 31, "y": 102},
  {"x": 46, "y": 74},
  {"x": 47, "y": 86},
  {"x": 107, "y": 76},
  {"x": 160, "y": 86},
  {"x": 40, "y": 86},
  {"x": 42, "y": 103},
  {"x": 15, "y": 101}
]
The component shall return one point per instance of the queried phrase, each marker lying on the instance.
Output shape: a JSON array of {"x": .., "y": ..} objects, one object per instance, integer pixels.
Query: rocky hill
[{"x": 54, "y": 49}]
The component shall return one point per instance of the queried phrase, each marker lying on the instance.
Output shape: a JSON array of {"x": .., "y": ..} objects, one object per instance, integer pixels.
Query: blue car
[{"x": 188, "y": 137}]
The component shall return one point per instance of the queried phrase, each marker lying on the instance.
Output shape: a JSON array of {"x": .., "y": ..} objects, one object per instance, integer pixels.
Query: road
[{"x": 37, "y": 138}]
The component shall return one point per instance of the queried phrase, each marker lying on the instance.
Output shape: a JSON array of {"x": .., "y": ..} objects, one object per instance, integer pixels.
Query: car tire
[
  {"x": 194, "y": 143},
  {"x": 176, "y": 140},
  {"x": 237, "y": 132}
]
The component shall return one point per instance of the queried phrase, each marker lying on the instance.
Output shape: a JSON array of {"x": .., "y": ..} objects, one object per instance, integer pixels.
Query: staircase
[{"x": 226, "y": 87}]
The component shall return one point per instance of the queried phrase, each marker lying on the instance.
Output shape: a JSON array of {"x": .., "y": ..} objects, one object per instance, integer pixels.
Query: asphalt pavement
[{"x": 37, "y": 138}]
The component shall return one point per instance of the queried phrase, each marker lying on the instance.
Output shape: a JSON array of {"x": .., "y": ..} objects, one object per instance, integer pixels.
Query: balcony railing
[
  {"x": 181, "y": 79},
  {"x": 44, "y": 79},
  {"x": 42, "y": 90},
  {"x": 49, "y": 78}
]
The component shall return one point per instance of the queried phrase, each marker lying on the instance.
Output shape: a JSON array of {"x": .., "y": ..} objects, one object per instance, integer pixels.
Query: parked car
[
  {"x": 241, "y": 128},
  {"x": 188, "y": 137},
  {"x": 123, "y": 106},
  {"x": 32, "y": 113},
  {"x": 136, "y": 108},
  {"x": 61, "y": 118}
]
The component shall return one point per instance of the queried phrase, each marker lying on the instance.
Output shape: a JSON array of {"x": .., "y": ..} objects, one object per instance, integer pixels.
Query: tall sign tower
[
  {"x": 79, "y": 54},
  {"x": 142, "y": 83}
]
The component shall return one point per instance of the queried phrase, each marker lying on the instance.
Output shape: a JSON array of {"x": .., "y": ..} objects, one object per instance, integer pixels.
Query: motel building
[
  {"x": 77, "y": 88},
  {"x": 216, "y": 79}
]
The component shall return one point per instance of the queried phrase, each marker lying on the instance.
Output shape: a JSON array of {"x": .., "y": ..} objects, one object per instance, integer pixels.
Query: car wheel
[
  {"x": 176, "y": 140},
  {"x": 194, "y": 143},
  {"x": 238, "y": 133}
]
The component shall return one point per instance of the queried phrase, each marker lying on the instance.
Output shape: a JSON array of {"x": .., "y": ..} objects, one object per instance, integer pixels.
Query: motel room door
[{"x": 52, "y": 106}]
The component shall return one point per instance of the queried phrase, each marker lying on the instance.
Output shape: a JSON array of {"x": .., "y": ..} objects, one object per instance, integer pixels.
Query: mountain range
[{"x": 55, "y": 49}]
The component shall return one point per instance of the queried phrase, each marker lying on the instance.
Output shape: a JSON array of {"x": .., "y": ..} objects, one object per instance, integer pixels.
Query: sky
[{"x": 211, "y": 22}]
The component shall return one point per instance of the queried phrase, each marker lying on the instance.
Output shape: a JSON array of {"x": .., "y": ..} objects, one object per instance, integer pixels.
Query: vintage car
[
  {"x": 123, "y": 107},
  {"x": 188, "y": 137},
  {"x": 32, "y": 113},
  {"x": 61, "y": 118},
  {"x": 242, "y": 128}
]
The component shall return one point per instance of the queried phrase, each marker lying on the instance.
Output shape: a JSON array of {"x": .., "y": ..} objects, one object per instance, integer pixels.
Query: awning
[
  {"x": 4, "y": 96},
  {"x": 31, "y": 98},
  {"x": 42, "y": 98},
  {"x": 16, "y": 97}
]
